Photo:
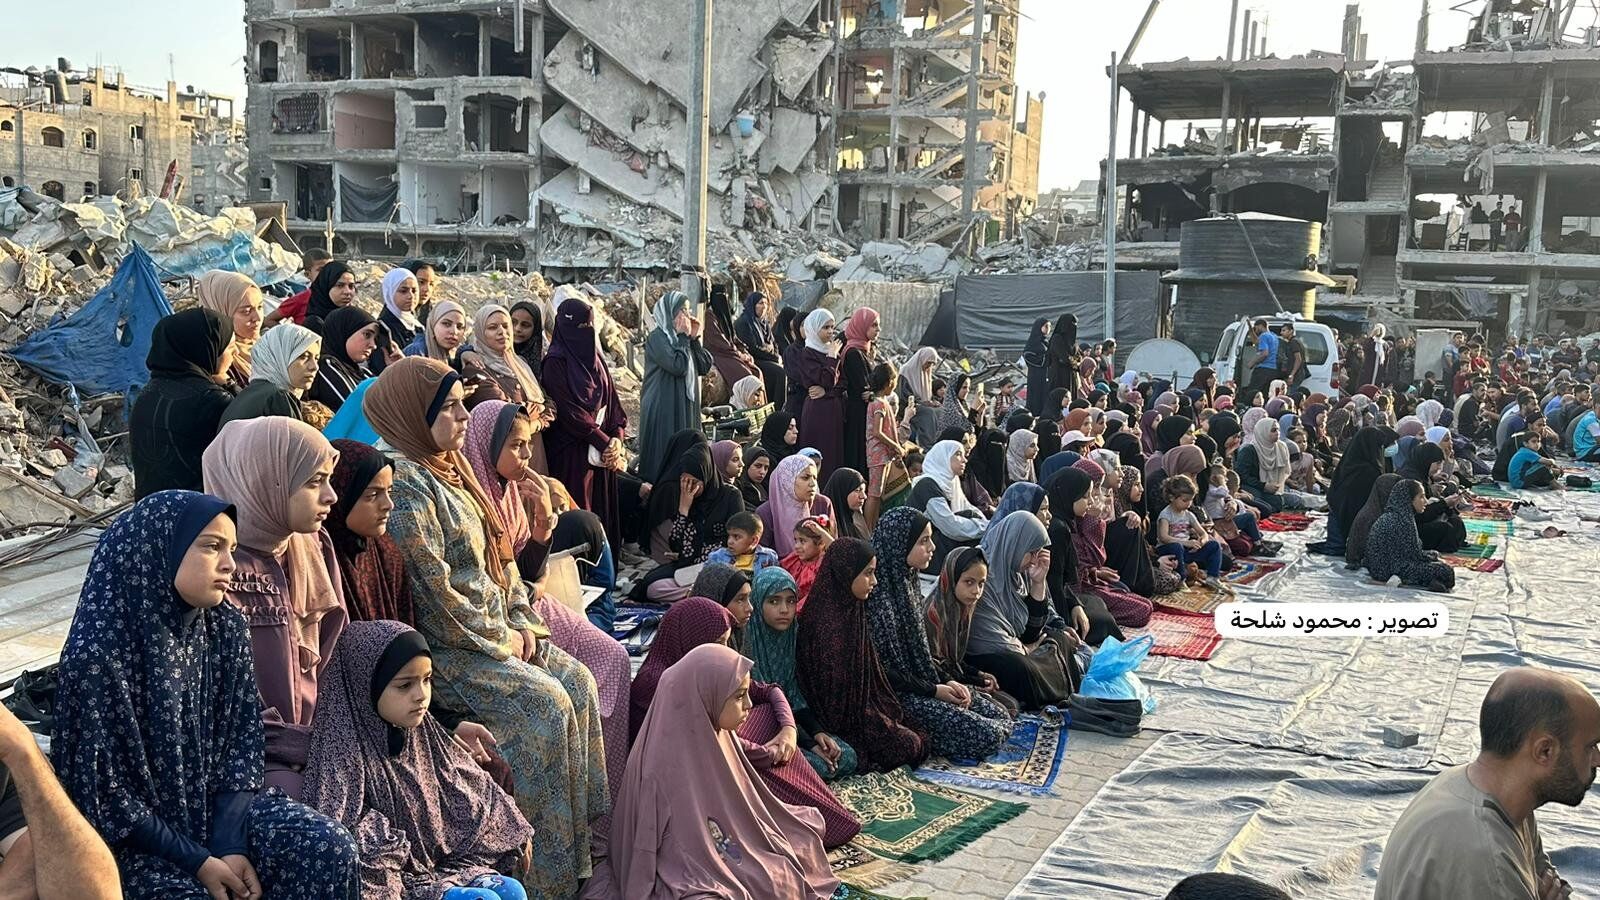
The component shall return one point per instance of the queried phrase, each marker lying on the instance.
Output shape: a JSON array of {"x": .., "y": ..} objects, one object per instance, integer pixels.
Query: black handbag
[{"x": 33, "y": 699}]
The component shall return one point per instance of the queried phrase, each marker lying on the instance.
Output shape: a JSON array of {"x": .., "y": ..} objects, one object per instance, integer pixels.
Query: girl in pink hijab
[
  {"x": 793, "y": 494},
  {"x": 711, "y": 828}
]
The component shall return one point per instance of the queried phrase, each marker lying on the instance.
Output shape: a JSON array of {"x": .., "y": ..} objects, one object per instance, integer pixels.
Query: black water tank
[{"x": 1219, "y": 282}]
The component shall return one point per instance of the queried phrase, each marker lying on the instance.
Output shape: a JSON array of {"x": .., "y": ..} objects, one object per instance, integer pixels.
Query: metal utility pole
[
  {"x": 698, "y": 165},
  {"x": 969, "y": 182},
  {"x": 1110, "y": 223}
]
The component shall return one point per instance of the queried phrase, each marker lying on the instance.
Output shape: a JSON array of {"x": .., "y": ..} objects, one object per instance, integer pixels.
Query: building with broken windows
[
  {"x": 553, "y": 133},
  {"x": 72, "y": 134},
  {"x": 1457, "y": 187}
]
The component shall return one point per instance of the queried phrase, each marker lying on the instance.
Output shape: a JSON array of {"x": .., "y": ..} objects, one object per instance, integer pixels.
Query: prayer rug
[
  {"x": 1193, "y": 600},
  {"x": 1486, "y": 527},
  {"x": 1492, "y": 490},
  {"x": 1477, "y": 547},
  {"x": 1286, "y": 521},
  {"x": 1027, "y": 763},
  {"x": 1249, "y": 572},
  {"x": 1490, "y": 509},
  {"x": 849, "y": 891},
  {"x": 863, "y": 870},
  {"x": 1181, "y": 636},
  {"x": 909, "y": 820},
  {"x": 1473, "y": 563}
]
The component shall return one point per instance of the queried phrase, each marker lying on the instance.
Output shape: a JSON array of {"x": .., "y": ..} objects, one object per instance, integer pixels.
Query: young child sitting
[
  {"x": 1220, "y": 506},
  {"x": 1180, "y": 533},
  {"x": 1529, "y": 468},
  {"x": 744, "y": 551},
  {"x": 811, "y": 538}
]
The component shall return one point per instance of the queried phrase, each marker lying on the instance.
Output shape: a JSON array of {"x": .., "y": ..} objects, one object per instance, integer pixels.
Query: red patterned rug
[{"x": 1183, "y": 636}]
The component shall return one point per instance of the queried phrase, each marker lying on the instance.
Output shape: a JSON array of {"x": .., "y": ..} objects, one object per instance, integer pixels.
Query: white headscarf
[
  {"x": 507, "y": 363},
  {"x": 1429, "y": 412},
  {"x": 1018, "y": 466},
  {"x": 391, "y": 283},
  {"x": 921, "y": 382},
  {"x": 744, "y": 391},
  {"x": 1271, "y": 455},
  {"x": 936, "y": 468},
  {"x": 279, "y": 347},
  {"x": 812, "y": 329}
]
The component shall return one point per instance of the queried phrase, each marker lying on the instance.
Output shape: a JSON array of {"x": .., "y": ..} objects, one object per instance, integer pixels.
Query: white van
[{"x": 1235, "y": 349}]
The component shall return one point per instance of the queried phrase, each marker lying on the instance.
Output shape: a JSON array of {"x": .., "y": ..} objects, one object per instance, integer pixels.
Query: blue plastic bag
[{"x": 1110, "y": 675}]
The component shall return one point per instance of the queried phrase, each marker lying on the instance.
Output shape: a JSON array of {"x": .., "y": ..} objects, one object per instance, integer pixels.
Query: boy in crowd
[
  {"x": 744, "y": 551},
  {"x": 294, "y": 308}
]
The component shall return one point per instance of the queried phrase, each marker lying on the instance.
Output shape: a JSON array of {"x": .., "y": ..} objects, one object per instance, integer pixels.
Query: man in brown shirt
[{"x": 1471, "y": 832}]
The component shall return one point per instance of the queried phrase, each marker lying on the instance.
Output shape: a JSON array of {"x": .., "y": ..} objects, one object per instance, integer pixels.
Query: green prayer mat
[
  {"x": 1472, "y": 550},
  {"x": 911, "y": 820},
  {"x": 1488, "y": 526},
  {"x": 1492, "y": 490}
]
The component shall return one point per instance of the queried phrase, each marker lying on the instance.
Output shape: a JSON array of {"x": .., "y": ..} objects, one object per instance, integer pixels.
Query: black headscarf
[
  {"x": 532, "y": 349},
  {"x": 722, "y": 308},
  {"x": 1064, "y": 488},
  {"x": 1064, "y": 339},
  {"x": 841, "y": 484},
  {"x": 717, "y": 502},
  {"x": 189, "y": 344},
  {"x": 1222, "y": 427},
  {"x": 1422, "y": 458},
  {"x": 340, "y": 325},
  {"x": 772, "y": 433},
  {"x": 1038, "y": 341},
  {"x": 1170, "y": 431},
  {"x": 988, "y": 461},
  {"x": 1358, "y": 470},
  {"x": 784, "y": 328},
  {"x": 1049, "y": 438},
  {"x": 321, "y": 305},
  {"x": 755, "y": 494},
  {"x": 753, "y": 329}
]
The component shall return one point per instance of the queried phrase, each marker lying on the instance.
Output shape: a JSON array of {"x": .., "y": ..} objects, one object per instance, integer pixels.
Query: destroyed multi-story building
[
  {"x": 554, "y": 133},
  {"x": 928, "y": 119},
  {"x": 218, "y": 178},
  {"x": 1457, "y": 187},
  {"x": 72, "y": 134}
]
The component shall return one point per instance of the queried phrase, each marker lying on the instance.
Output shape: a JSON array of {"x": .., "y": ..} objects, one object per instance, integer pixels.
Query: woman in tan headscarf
[
  {"x": 492, "y": 370},
  {"x": 237, "y": 299},
  {"x": 276, "y": 471},
  {"x": 491, "y": 661}
]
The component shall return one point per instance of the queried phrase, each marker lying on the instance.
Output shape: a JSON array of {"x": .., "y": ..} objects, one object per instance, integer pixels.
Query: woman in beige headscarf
[
  {"x": 276, "y": 471},
  {"x": 491, "y": 658},
  {"x": 492, "y": 370},
  {"x": 237, "y": 299}
]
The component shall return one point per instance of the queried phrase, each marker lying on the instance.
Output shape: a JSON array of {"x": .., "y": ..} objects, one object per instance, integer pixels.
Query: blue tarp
[{"x": 101, "y": 348}]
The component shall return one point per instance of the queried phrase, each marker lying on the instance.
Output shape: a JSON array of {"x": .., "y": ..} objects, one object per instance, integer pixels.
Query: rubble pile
[{"x": 1017, "y": 256}]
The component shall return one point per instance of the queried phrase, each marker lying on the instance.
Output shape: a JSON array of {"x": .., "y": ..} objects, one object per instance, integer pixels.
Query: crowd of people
[{"x": 317, "y": 657}]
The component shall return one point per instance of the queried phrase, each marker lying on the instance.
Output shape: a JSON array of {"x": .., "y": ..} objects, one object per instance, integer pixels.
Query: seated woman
[
  {"x": 1073, "y": 507},
  {"x": 531, "y": 537},
  {"x": 792, "y": 495},
  {"x": 769, "y": 737},
  {"x": 949, "y": 624},
  {"x": 473, "y": 608},
  {"x": 938, "y": 494},
  {"x": 687, "y": 520},
  {"x": 752, "y": 479},
  {"x": 427, "y": 820},
  {"x": 711, "y": 828},
  {"x": 1395, "y": 549},
  {"x": 1127, "y": 551},
  {"x": 1263, "y": 467},
  {"x": 770, "y": 642},
  {"x": 179, "y": 411},
  {"x": 492, "y": 367},
  {"x": 1439, "y": 522},
  {"x": 349, "y": 337},
  {"x": 847, "y": 491},
  {"x": 283, "y": 366},
  {"x": 1355, "y": 544},
  {"x": 237, "y": 299},
  {"x": 159, "y": 739},
  {"x": 839, "y": 668},
  {"x": 961, "y": 723},
  {"x": 1016, "y": 635},
  {"x": 442, "y": 335},
  {"x": 277, "y": 473}
]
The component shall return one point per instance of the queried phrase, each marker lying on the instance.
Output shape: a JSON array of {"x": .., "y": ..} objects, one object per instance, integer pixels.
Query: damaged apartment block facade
[
  {"x": 553, "y": 133},
  {"x": 1458, "y": 187}
]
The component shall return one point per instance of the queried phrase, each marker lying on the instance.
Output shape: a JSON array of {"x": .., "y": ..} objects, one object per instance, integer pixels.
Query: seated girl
[
  {"x": 1084, "y": 571},
  {"x": 1395, "y": 549},
  {"x": 768, "y": 737},
  {"x": 427, "y": 820},
  {"x": 770, "y": 642},
  {"x": 960, "y": 722},
  {"x": 159, "y": 739},
  {"x": 1179, "y": 532},
  {"x": 709, "y": 827},
  {"x": 811, "y": 540},
  {"x": 839, "y": 668},
  {"x": 949, "y": 624}
]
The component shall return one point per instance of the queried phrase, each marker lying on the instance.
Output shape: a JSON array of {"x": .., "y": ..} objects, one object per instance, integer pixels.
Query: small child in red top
[{"x": 810, "y": 540}]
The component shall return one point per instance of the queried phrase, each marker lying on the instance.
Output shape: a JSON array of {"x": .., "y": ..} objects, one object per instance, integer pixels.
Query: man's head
[
  {"x": 1223, "y": 886},
  {"x": 1286, "y": 331},
  {"x": 1258, "y": 326},
  {"x": 1545, "y": 728}
]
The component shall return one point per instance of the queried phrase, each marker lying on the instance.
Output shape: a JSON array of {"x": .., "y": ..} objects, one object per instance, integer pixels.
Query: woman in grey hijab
[
  {"x": 669, "y": 402},
  {"x": 1016, "y": 634}
]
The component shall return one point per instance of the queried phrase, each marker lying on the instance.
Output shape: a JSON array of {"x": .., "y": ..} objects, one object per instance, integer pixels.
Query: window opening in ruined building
[
  {"x": 7, "y": 126},
  {"x": 200, "y": 201},
  {"x": 91, "y": 189},
  {"x": 429, "y": 116},
  {"x": 54, "y": 137},
  {"x": 267, "y": 67},
  {"x": 88, "y": 97},
  {"x": 266, "y": 183},
  {"x": 55, "y": 190},
  {"x": 89, "y": 139},
  {"x": 325, "y": 56},
  {"x": 8, "y": 181},
  {"x": 135, "y": 174},
  {"x": 301, "y": 114},
  {"x": 136, "y": 132}
]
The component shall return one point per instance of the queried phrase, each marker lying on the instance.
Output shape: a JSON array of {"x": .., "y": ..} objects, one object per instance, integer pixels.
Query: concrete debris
[
  {"x": 1012, "y": 257},
  {"x": 1392, "y": 88},
  {"x": 899, "y": 261}
]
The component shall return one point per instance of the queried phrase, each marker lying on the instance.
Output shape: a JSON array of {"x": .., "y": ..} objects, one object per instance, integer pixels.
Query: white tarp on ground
[{"x": 1247, "y": 785}]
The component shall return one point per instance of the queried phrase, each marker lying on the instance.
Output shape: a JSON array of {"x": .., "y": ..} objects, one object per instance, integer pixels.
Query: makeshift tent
[
  {"x": 996, "y": 311},
  {"x": 101, "y": 348}
]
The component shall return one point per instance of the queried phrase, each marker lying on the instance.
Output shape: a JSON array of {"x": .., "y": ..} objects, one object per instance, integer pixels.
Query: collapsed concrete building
[
  {"x": 73, "y": 135},
  {"x": 553, "y": 133},
  {"x": 1413, "y": 234}
]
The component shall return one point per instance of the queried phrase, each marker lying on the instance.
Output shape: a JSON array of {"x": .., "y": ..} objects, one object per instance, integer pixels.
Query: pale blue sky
[{"x": 1064, "y": 48}]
